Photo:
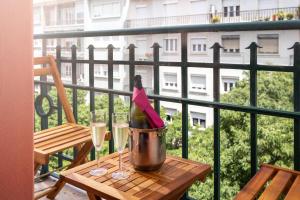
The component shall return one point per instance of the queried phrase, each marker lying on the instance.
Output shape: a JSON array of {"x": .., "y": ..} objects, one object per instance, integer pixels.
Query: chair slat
[
  {"x": 294, "y": 193},
  {"x": 40, "y": 60},
  {"x": 68, "y": 145},
  {"x": 42, "y": 71},
  {"x": 65, "y": 141},
  {"x": 51, "y": 129},
  {"x": 277, "y": 186},
  {"x": 56, "y": 133},
  {"x": 63, "y": 137},
  {"x": 253, "y": 187}
]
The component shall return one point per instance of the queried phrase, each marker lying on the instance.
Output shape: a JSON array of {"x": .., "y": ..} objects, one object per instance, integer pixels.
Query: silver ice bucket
[{"x": 147, "y": 148}]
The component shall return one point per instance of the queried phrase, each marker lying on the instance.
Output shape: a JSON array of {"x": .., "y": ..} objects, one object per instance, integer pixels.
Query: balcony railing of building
[
  {"x": 218, "y": 17},
  {"x": 68, "y": 21},
  {"x": 184, "y": 64}
]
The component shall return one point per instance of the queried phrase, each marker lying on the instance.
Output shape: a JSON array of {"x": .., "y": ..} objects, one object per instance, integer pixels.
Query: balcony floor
[{"x": 67, "y": 193}]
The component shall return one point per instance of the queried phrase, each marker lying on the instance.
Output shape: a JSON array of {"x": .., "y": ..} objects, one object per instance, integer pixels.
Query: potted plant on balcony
[
  {"x": 281, "y": 16},
  {"x": 215, "y": 19},
  {"x": 289, "y": 16},
  {"x": 267, "y": 19}
]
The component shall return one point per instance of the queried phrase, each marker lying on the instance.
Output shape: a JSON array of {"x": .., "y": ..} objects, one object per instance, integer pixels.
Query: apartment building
[
  {"x": 92, "y": 15},
  {"x": 145, "y": 13}
]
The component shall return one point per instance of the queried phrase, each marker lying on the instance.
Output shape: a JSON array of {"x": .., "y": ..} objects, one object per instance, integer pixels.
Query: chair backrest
[{"x": 51, "y": 69}]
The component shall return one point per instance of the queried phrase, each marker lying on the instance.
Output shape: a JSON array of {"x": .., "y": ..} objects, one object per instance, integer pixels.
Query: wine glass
[
  {"x": 120, "y": 135},
  {"x": 98, "y": 129}
]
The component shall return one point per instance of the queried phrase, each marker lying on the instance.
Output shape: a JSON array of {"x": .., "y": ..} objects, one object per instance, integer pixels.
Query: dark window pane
[
  {"x": 194, "y": 47},
  {"x": 225, "y": 11},
  {"x": 225, "y": 87},
  {"x": 199, "y": 47},
  {"x": 231, "y": 86},
  {"x": 168, "y": 117},
  {"x": 231, "y": 12},
  {"x": 202, "y": 123},
  {"x": 195, "y": 121},
  {"x": 237, "y": 10}
]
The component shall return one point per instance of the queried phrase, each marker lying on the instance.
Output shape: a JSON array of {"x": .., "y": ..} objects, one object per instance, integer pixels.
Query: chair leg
[
  {"x": 36, "y": 167},
  {"x": 92, "y": 196},
  {"x": 84, "y": 151}
]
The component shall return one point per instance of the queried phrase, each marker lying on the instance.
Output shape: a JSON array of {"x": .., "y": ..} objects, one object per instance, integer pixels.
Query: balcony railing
[
  {"x": 220, "y": 17},
  {"x": 184, "y": 64}
]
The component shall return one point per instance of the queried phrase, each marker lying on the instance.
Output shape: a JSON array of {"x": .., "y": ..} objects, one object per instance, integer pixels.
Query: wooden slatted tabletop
[
  {"x": 169, "y": 182},
  {"x": 272, "y": 182}
]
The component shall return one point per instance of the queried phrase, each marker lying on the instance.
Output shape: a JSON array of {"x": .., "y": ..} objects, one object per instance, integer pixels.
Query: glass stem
[
  {"x": 98, "y": 159},
  {"x": 120, "y": 162}
]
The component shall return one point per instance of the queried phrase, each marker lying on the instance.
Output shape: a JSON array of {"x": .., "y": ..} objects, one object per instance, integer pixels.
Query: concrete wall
[{"x": 16, "y": 100}]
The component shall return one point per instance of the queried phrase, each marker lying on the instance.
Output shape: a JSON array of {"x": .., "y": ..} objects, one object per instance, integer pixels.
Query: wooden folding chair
[
  {"x": 271, "y": 183},
  {"x": 50, "y": 141}
]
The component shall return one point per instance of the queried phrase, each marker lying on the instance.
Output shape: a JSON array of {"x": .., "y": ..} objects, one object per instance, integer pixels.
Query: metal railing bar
[
  {"x": 211, "y": 104},
  {"x": 275, "y": 68},
  {"x": 241, "y": 26}
]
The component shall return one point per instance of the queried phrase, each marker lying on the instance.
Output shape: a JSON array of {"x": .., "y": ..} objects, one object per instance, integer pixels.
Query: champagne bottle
[{"x": 138, "y": 119}]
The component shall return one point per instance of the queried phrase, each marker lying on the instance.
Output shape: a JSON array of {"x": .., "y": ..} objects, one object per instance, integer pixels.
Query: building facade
[{"x": 93, "y": 15}]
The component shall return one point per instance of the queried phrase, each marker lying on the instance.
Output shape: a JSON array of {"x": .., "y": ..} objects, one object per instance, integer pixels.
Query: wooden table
[{"x": 169, "y": 182}]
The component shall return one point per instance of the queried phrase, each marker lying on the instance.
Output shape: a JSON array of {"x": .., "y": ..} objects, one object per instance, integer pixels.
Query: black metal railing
[{"x": 184, "y": 64}]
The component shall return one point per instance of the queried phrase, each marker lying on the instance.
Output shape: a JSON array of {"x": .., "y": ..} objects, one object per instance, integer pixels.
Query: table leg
[{"x": 84, "y": 151}]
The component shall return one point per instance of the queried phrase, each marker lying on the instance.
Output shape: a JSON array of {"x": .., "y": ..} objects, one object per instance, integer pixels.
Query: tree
[{"x": 275, "y": 135}]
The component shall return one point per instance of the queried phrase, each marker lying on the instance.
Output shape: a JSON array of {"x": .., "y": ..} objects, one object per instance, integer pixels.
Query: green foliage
[
  {"x": 275, "y": 138},
  {"x": 289, "y": 16},
  {"x": 281, "y": 15},
  {"x": 173, "y": 135}
]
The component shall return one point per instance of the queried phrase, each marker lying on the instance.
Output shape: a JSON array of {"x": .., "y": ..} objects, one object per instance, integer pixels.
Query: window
[
  {"x": 97, "y": 70},
  {"x": 168, "y": 118},
  {"x": 116, "y": 70},
  {"x": 231, "y": 43},
  {"x": 229, "y": 83},
  {"x": 170, "y": 45},
  {"x": 50, "y": 15},
  {"x": 269, "y": 43},
  {"x": 170, "y": 112},
  {"x": 51, "y": 43},
  {"x": 170, "y": 80},
  {"x": 141, "y": 11},
  {"x": 66, "y": 14},
  {"x": 198, "y": 45},
  {"x": 80, "y": 18},
  {"x": 231, "y": 11},
  {"x": 198, "y": 83},
  {"x": 198, "y": 119},
  {"x": 101, "y": 70},
  {"x": 237, "y": 11},
  {"x": 37, "y": 16},
  {"x": 66, "y": 70},
  {"x": 106, "y": 10},
  {"x": 170, "y": 8},
  {"x": 198, "y": 7},
  {"x": 141, "y": 44},
  {"x": 225, "y": 11}
]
